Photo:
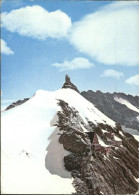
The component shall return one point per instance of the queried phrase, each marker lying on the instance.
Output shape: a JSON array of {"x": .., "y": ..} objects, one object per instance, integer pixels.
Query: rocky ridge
[
  {"x": 17, "y": 103},
  {"x": 95, "y": 173}
]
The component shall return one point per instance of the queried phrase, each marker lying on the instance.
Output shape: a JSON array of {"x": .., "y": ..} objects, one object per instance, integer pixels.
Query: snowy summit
[{"x": 32, "y": 136}]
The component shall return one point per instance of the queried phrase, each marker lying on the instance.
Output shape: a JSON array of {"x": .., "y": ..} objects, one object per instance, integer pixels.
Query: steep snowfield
[
  {"x": 25, "y": 143},
  {"x": 125, "y": 102}
]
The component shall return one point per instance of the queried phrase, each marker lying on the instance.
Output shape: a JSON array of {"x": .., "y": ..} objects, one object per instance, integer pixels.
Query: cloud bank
[
  {"x": 133, "y": 80},
  {"x": 37, "y": 22},
  {"x": 112, "y": 73},
  {"x": 76, "y": 63},
  {"x": 5, "y": 49},
  {"x": 109, "y": 35}
]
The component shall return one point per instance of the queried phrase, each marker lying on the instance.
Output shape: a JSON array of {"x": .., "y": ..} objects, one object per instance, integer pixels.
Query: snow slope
[
  {"x": 125, "y": 102},
  {"x": 25, "y": 143}
]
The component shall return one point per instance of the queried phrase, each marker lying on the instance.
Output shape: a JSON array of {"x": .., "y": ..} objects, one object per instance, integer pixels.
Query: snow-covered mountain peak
[
  {"x": 86, "y": 109},
  {"x": 45, "y": 139}
]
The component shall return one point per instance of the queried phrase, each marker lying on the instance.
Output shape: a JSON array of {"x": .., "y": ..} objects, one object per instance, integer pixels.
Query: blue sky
[{"x": 95, "y": 42}]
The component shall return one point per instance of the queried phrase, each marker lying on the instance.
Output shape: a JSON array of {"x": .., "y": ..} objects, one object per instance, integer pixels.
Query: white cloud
[
  {"x": 133, "y": 80},
  {"x": 37, "y": 22},
  {"x": 76, "y": 63},
  {"x": 109, "y": 35},
  {"x": 112, "y": 73},
  {"x": 5, "y": 49}
]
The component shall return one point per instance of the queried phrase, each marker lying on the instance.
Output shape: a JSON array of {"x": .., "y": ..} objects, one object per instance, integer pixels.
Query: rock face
[
  {"x": 69, "y": 84},
  {"x": 19, "y": 102},
  {"x": 120, "y": 113},
  {"x": 93, "y": 172}
]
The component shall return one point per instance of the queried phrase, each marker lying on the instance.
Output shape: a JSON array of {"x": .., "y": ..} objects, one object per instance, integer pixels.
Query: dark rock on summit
[{"x": 69, "y": 84}]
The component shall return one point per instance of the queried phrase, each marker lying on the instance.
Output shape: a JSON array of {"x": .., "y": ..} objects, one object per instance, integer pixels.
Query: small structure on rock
[
  {"x": 97, "y": 145},
  {"x": 67, "y": 79},
  {"x": 69, "y": 84}
]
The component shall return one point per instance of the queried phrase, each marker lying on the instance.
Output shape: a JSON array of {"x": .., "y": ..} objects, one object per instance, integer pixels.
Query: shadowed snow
[{"x": 54, "y": 158}]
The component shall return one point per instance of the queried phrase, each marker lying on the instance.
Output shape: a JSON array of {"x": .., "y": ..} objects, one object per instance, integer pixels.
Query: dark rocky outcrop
[
  {"x": 118, "y": 112},
  {"x": 69, "y": 84},
  {"x": 93, "y": 172},
  {"x": 19, "y": 102}
]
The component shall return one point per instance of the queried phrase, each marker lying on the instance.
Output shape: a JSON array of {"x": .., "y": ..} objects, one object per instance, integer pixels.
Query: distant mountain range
[{"x": 120, "y": 107}]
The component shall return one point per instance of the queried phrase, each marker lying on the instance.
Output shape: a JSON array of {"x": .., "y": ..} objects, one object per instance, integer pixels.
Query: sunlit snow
[{"x": 25, "y": 142}]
